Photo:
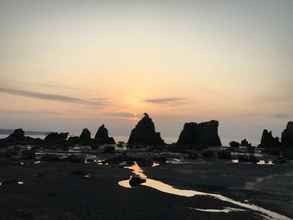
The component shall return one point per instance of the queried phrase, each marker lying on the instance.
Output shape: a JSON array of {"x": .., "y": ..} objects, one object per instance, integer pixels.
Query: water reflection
[
  {"x": 225, "y": 210},
  {"x": 166, "y": 188}
]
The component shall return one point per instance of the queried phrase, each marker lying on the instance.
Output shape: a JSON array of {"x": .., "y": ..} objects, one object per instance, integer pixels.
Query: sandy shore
[{"x": 63, "y": 190}]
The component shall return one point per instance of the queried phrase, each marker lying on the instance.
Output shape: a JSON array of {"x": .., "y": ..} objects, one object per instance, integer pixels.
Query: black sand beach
[{"x": 63, "y": 190}]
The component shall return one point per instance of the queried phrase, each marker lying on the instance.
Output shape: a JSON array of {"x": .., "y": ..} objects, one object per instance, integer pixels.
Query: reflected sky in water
[{"x": 166, "y": 188}]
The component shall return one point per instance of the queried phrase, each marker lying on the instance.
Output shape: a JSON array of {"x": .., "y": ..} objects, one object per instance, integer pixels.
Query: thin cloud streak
[
  {"x": 51, "y": 97},
  {"x": 164, "y": 101},
  {"x": 121, "y": 114},
  {"x": 281, "y": 115}
]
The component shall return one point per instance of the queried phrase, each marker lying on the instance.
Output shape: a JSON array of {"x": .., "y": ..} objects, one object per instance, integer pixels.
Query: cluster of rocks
[
  {"x": 268, "y": 141},
  {"x": 18, "y": 138},
  {"x": 56, "y": 140},
  {"x": 243, "y": 143},
  {"x": 101, "y": 138},
  {"x": 194, "y": 136},
  {"x": 202, "y": 135}
]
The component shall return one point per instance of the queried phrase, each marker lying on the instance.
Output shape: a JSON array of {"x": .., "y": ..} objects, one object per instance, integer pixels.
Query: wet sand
[{"x": 63, "y": 190}]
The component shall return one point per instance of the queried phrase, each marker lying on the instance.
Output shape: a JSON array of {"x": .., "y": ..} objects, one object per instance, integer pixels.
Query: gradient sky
[{"x": 65, "y": 65}]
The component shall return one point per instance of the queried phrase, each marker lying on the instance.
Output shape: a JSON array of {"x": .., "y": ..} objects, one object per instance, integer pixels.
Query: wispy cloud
[
  {"x": 52, "y": 97},
  {"x": 281, "y": 115},
  {"x": 166, "y": 100},
  {"x": 121, "y": 114},
  {"x": 28, "y": 112}
]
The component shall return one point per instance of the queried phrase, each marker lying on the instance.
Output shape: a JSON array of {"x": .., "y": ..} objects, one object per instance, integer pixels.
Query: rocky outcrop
[
  {"x": 72, "y": 141},
  {"x": 85, "y": 137},
  {"x": 268, "y": 141},
  {"x": 202, "y": 134},
  {"x": 145, "y": 134},
  {"x": 102, "y": 137},
  {"x": 55, "y": 140},
  {"x": 245, "y": 143},
  {"x": 287, "y": 135},
  {"x": 234, "y": 144},
  {"x": 17, "y": 137}
]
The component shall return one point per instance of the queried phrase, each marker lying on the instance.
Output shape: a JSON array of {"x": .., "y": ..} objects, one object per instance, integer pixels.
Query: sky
[{"x": 70, "y": 64}]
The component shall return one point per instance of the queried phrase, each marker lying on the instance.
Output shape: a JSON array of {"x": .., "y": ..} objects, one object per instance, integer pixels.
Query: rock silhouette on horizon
[
  {"x": 55, "y": 140},
  {"x": 85, "y": 137},
  {"x": 145, "y": 133},
  {"x": 268, "y": 141},
  {"x": 287, "y": 135},
  {"x": 102, "y": 137},
  {"x": 202, "y": 134},
  {"x": 17, "y": 137}
]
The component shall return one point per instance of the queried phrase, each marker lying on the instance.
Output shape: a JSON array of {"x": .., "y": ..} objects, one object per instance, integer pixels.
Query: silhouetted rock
[
  {"x": 268, "y": 141},
  {"x": 85, "y": 137},
  {"x": 287, "y": 135},
  {"x": 55, "y": 140},
  {"x": 17, "y": 135},
  {"x": 234, "y": 144},
  {"x": 18, "y": 138},
  {"x": 245, "y": 143},
  {"x": 145, "y": 133},
  {"x": 102, "y": 137},
  {"x": 72, "y": 141},
  {"x": 203, "y": 134}
]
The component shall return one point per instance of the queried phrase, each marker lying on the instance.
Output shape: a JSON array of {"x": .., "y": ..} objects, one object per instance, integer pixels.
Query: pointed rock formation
[
  {"x": 102, "y": 137},
  {"x": 203, "y": 134},
  {"x": 287, "y": 135},
  {"x": 145, "y": 133},
  {"x": 85, "y": 137},
  {"x": 268, "y": 141}
]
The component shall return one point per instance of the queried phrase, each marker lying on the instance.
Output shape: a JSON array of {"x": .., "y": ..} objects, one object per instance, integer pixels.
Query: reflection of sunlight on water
[
  {"x": 163, "y": 187},
  {"x": 225, "y": 210}
]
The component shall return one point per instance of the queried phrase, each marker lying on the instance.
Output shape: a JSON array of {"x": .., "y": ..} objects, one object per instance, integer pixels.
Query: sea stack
[
  {"x": 102, "y": 137},
  {"x": 145, "y": 134},
  {"x": 202, "y": 135},
  {"x": 85, "y": 137},
  {"x": 268, "y": 141},
  {"x": 287, "y": 135}
]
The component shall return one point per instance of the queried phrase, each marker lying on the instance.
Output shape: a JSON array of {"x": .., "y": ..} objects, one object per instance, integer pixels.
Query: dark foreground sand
[{"x": 59, "y": 191}]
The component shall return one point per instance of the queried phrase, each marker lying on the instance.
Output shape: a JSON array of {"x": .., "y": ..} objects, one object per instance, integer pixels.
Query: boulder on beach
[
  {"x": 102, "y": 137},
  {"x": 287, "y": 135},
  {"x": 145, "y": 134},
  {"x": 202, "y": 134},
  {"x": 85, "y": 137},
  {"x": 268, "y": 141}
]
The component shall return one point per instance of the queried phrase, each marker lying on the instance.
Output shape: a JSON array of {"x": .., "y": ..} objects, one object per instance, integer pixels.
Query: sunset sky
[{"x": 66, "y": 65}]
